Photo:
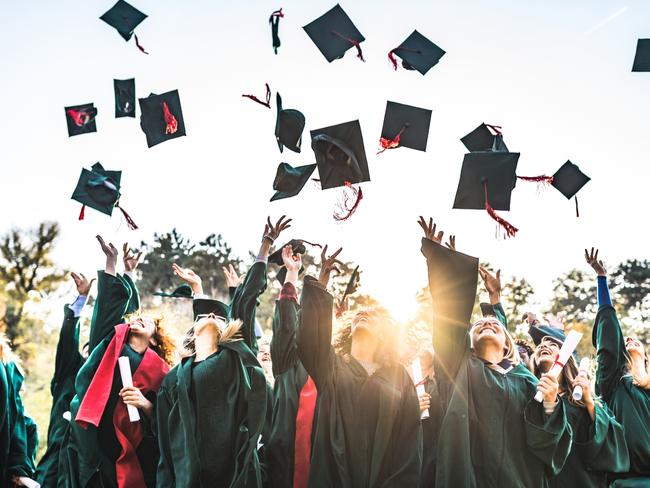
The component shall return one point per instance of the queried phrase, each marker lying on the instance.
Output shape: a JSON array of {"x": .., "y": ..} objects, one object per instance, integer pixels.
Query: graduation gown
[
  {"x": 92, "y": 452},
  {"x": 629, "y": 403},
  {"x": 430, "y": 433},
  {"x": 493, "y": 433},
  {"x": 67, "y": 363},
  {"x": 211, "y": 414},
  {"x": 367, "y": 429},
  {"x": 288, "y": 391}
]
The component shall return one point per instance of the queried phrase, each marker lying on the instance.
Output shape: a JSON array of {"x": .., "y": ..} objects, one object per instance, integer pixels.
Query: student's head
[
  {"x": 152, "y": 330},
  {"x": 488, "y": 336},
  {"x": 544, "y": 358},
  {"x": 264, "y": 353},
  {"x": 426, "y": 359},
  {"x": 213, "y": 329},
  {"x": 635, "y": 349}
]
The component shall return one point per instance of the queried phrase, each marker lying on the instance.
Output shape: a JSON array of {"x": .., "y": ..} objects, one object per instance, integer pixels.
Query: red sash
[{"x": 302, "y": 441}]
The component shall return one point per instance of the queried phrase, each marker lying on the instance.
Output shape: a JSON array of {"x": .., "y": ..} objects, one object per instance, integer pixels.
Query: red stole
[{"x": 302, "y": 441}]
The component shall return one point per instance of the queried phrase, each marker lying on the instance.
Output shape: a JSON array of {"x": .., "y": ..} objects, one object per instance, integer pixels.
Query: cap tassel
[
  {"x": 171, "y": 123},
  {"x": 137, "y": 43},
  {"x": 495, "y": 128},
  {"x": 577, "y": 211},
  {"x": 129, "y": 221},
  {"x": 391, "y": 54},
  {"x": 345, "y": 211},
  {"x": 391, "y": 143},
  {"x": 267, "y": 104},
  {"x": 274, "y": 20},
  {"x": 82, "y": 214},
  {"x": 509, "y": 229},
  {"x": 354, "y": 42},
  {"x": 542, "y": 181},
  {"x": 80, "y": 117}
]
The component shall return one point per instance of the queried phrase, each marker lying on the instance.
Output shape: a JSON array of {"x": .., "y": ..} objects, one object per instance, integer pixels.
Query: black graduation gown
[
  {"x": 629, "y": 403},
  {"x": 367, "y": 428},
  {"x": 67, "y": 363},
  {"x": 430, "y": 433}
]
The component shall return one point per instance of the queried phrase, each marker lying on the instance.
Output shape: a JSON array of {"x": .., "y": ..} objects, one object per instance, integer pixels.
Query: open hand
[
  {"x": 293, "y": 262},
  {"x": 592, "y": 260},
  {"x": 233, "y": 280},
  {"x": 492, "y": 283},
  {"x": 430, "y": 231},
  {"x": 189, "y": 277},
  {"x": 129, "y": 258},
  {"x": 327, "y": 265},
  {"x": 271, "y": 231},
  {"x": 82, "y": 283},
  {"x": 111, "y": 255}
]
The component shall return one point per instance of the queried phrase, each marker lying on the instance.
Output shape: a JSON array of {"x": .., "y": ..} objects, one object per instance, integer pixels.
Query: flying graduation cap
[
  {"x": 80, "y": 119},
  {"x": 486, "y": 137},
  {"x": 486, "y": 183},
  {"x": 642, "y": 56},
  {"x": 99, "y": 189},
  {"x": 568, "y": 180},
  {"x": 334, "y": 33},
  {"x": 417, "y": 53},
  {"x": 297, "y": 247},
  {"x": 124, "y": 98},
  {"x": 274, "y": 20},
  {"x": 124, "y": 18},
  {"x": 183, "y": 291},
  {"x": 161, "y": 117},
  {"x": 289, "y": 180},
  {"x": 341, "y": 159},
  {"x": 289, "y": 124},
  {"x": 350, "y": 288},
  {"x": 405, "y": 126}
]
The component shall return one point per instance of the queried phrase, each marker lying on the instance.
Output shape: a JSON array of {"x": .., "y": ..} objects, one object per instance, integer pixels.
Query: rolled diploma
[
  {"x": 416, "y": 368},
  {"x": 584, "y": 366},
  {"x": 127, "y": 380},
  {"x": 570, "y": 344}
]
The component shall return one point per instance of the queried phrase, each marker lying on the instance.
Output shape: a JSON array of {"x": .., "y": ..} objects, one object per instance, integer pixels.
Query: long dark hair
[{"x": 569, "y": 374}]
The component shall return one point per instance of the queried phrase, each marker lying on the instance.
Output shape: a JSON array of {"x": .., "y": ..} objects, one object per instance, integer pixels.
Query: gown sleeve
[
  {"x": 315, "y": 332},
  {"x": 244, "y": 301},
  {"x": 68, "y": 359},
  {"x": 548, "y": 436},
  {"x": 284, "y": 347},
  {"x": 111, "y": 304},
  {"x": 163, "y": 406},
  {"x": 18, "y": 461}
]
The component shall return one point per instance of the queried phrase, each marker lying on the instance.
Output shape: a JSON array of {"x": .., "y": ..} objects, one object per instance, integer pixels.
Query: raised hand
[
  {"x": 189, "y": 277},
  {"x": 111, "y": 255},
  {"x": 430, "y": 231},
  {"x": 492, "y": 283},
  {"x": 451, "y": 243},
  {"x": 293, "y": 262},
  {"x": 327, "y": 265},
  {"x": 273, "y": 231},
  {"x": 129, "y": 258},
  {"x": 555, "y": 320},
  {"x": 233, "y": 280},
  {"x": 82, "y": 283},
  {"x": 592, "y": 260}
]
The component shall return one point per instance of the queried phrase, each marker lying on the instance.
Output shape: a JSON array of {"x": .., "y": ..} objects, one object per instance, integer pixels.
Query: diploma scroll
[
  {"x": 570, "y": 344},
  {"x": 584, "y": 366},
  {"x": 127, "y": 380},
  {"x": 416, "y": 368}
]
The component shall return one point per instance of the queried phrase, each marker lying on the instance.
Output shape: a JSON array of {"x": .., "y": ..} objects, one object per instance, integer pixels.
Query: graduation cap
[
  {"x": 297, "y": 247},
  {"x": 538, "y": 332},
  {"x": 289, "y": 180},
  {"x": 485, "y": 137},
  {"x": 642, "y": 56},
  {"x": 351, "y": 287},
  {"x": 99, "y": 189},
  {"x": 417, "y": 53},
  {"x": 334, "y": 33},
  {"x": 161, "y": 117},
  {"x": 274, "y": 20},
  {"x": 487, "y": 309},
  {"x": 405, "y": 126},
  {"x": 454, "y": 279},
  {"x": 124, "y": 98},
  {"x": 81, "y": 119},
  {"x": 568, "y": 180},
  {"x": 289, "y": 125},
  {"x": 183, "y": 291},
  {"x": 125, "y": 18},
  {"x": 486, "y": 182},
  {"x": 206, "y": 306}
]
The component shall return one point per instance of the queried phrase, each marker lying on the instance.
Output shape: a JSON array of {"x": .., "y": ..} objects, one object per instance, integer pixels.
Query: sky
[{"x": 555, "y": 75}]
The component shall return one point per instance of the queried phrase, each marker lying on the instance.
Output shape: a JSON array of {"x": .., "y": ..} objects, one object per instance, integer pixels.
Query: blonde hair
[
  {"x": 231, "y": 332},
  {"x": 510, "y": 352}
]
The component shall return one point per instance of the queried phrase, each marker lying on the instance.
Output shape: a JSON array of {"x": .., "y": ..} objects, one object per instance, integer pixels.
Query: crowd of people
[{"x": 136, "y": 407}]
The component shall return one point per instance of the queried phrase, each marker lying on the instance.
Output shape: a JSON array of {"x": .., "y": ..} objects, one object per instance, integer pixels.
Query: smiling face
[
  {"x": 143, "y": 326},
  {"x": 371, "y": 322},
  {"x": 546, "y": 353},
  {"x": 634, "y": 347},
  {"x": 488, "y": 331}
]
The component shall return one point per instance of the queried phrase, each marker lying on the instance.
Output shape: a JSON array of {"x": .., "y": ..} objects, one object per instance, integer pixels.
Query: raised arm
[
  {"x": 607, "y": 336},
  {"x": 492, "y": 284},
  {"x": 284, "y": 346}
]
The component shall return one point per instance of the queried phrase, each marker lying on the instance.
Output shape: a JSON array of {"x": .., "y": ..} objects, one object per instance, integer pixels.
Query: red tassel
[
  {"x": 79, "y": 117},
  {"x": 495, "y": 128},
  {"x": 82, "y": 214},
  {"x": 170, "y": 120},
  {"x": 390, "y": 143},
  {"x": 129, "y": 221},
  {"x": 577, "y": 211},
  {"x": 137, "y": 43},
  {"x": 537, "y": 179},
  {"x": 510, "y": 229},
  {"x": 277, "y": 13},
  {"x": 354, "y": 42},
  {"x": 391, "y": 54},
  {"x": 267, "y": 104},
  {"x": 345, "y": 207}
]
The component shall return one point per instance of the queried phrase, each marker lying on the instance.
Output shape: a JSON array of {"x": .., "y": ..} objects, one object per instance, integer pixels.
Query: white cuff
[{"x": 78, "y": 305}]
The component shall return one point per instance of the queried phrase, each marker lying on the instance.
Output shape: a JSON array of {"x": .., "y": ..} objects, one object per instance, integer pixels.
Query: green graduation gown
[
  {"x": 367, "y": 430},
  {"x": 493, "y": 433},
  {"x": 67, "y": 363},
  {"x": 210, "y": 414},
  {"x": 430, "y": 433},
  {"x": 629, "y": 403}
]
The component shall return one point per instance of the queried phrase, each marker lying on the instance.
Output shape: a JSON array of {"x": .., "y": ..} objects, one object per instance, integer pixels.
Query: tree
[
  {"x": 26, "y": 266},
  {"x": 517, "y": 294},
  {"x": 574, "y": 294}
]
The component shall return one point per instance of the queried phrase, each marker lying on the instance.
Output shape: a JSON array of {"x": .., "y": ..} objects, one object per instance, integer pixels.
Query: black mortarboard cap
[
  {"x": 410, "y": 123},
  {"x": 538, "y": 332},
  {"x": 484, "y": 138},
  {"x": 334, "y": 33},
  {"x": 124, "y": 18},
  {"x": 568, "y": 180},
  {"x": 417, "y": 53},
  {"x": 183, "y": 291},
  {"x": 124, "y": 97},
  {"x": 81, "y": 119},
  {"x": 340, "y": 155},
  {"x": 297, "y": 247},
  {"x": 205, "y": 306},
  {"x": 453, "y": 277},
  {"x": 289, "y": 125},
  {"x": 98, "y": 188},
  {"x": 487, "y": 309},
  {"x": 161, "y": 117},
  {"x": 642, "y": 56},
  {"x": 497, "y": 170},
  {"x": 289, "y": 180},
  {"x": 353, "y": 283}
]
